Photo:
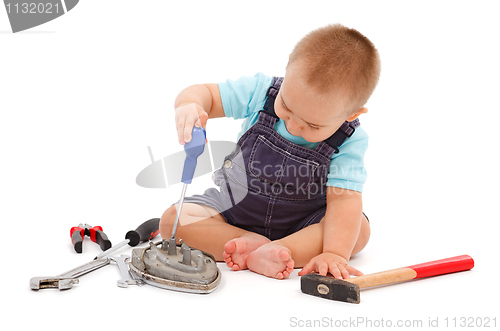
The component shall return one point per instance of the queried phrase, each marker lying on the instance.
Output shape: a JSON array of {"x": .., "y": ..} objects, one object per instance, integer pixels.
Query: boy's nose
[{"x": 293, "y": 124}]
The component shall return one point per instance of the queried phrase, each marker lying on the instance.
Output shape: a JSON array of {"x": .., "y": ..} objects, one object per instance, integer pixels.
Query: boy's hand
[
  {"x": 330, "y": 263},
  {"x": 187, "y": 116}
]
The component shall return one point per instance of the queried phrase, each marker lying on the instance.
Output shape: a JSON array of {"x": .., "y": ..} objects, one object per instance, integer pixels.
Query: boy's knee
[
  {"x": 167, "y": 221},
  {"x": 364, "y": 235}
]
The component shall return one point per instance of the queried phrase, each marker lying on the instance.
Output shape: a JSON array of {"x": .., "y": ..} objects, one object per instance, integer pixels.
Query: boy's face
[{"x": 306, "y": 113}]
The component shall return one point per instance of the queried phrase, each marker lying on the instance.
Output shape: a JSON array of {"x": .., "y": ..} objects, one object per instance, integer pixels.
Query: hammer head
[
  {"x": 329, "y": 288},
  {"x": 37, "y": 283}
]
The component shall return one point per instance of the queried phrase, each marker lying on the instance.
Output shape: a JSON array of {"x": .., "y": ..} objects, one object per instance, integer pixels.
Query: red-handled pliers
[{"x": 95, "y": 233}]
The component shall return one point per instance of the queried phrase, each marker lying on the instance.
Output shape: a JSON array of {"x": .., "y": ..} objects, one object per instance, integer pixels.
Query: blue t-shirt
[{"x": 245, "y": 97}]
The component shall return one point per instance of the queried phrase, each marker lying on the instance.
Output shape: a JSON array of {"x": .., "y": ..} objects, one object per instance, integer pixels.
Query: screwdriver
[
  {"x": 193, "y": 149},
  {"x": 146, "y": 231}
]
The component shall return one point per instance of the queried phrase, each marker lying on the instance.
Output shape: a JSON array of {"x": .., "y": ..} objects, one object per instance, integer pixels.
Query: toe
[
  {"x": 230, "y": 247},
  {"x": 284, "y": 255},
  {"x": 281, "y": 254}
]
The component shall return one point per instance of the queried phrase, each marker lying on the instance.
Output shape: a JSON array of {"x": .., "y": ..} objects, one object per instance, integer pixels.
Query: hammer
[{"x": 347, "y": 290}]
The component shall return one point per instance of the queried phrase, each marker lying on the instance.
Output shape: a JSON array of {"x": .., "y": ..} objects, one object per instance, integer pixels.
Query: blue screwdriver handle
[{"x": 193, "y": 149}]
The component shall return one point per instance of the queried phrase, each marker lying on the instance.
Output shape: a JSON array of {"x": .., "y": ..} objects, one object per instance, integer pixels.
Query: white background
[{"x": 83, "y": 96}]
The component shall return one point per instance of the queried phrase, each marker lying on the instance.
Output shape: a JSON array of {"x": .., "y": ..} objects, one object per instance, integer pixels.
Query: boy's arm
[
  {"x": 194, "y": 106},
  {"x": 342, "y": 224}
]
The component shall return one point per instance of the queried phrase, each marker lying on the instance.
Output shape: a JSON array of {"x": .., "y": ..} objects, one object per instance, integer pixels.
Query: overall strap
[
  {"x": 345, "y": 131},
  {"x": 272, "y": 93},
  {"x": 335, "y": 141},
  {"x": 267, "y": 116}
]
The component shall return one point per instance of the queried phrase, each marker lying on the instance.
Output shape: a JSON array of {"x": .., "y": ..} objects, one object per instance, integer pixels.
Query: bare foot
[
  {"x": 271, "y": 260},
  {"x": 236, "y": 251}
]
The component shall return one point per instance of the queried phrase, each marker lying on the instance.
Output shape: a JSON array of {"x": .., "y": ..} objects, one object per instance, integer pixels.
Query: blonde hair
[{"x": 336, "y": 58}]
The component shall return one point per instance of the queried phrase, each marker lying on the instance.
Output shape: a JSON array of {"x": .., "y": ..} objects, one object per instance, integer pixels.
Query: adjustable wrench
[
  {"x": 66, "y": 280},
  {"x": 144, "y": 232}
]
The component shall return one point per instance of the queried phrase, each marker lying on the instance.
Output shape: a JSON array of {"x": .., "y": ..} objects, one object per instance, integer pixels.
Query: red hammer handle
[
  {"x": 444, "y": 266},
  {"x": 434, "y": 268}
]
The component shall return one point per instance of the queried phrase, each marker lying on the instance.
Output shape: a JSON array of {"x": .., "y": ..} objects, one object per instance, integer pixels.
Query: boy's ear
[{"x": 356, "y": 114}]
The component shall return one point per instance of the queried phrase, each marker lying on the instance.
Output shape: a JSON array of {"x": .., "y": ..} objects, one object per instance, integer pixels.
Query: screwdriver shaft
[
  {"x": 112, "y": 249},
  {"x": 174, "y": 229}
]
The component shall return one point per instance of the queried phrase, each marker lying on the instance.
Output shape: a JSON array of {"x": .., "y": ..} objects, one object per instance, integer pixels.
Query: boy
[{"x": 290, "y": 194}]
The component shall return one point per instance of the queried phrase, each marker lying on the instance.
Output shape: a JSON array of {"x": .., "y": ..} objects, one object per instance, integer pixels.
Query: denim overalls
[{"x": 270, "y": 185}]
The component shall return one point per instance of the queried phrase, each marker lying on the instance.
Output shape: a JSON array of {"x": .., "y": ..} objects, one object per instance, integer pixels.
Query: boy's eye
[
  {"x": 313, "y": 127},
  {"x": 284, "y": 107}
]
